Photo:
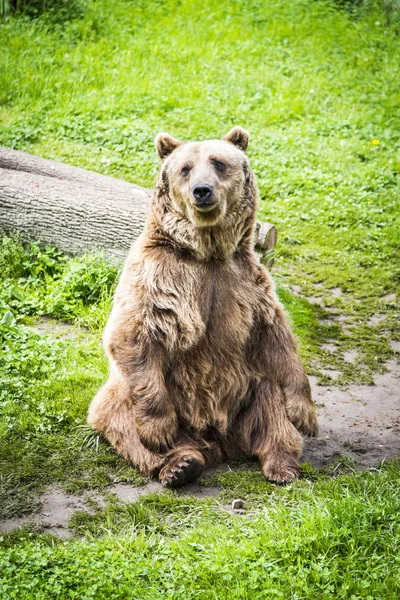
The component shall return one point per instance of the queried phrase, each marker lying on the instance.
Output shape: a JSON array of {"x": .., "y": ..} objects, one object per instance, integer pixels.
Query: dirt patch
[
  {"x": 349, "y": 356},
  {"x": 389, "y": 297},
  {"x": 332, "y": 373},
  {"x": 376, "y": 320},
  {"x": 315, "y": 300},
  {"x": 296, "y": 289},
  {"x": 330, "y": 347},
  {"x": 334, "y": 317},
  {"x": 395, "y": 345},
  {"x": 336, "y": 292},
  {"x": 60, "y": 330},
  {"x": 57, "y": 507},
  {"x": 55, "y": 328},
  {"x": 128, "y": 493},
  {"x": 362, "y": 422}
]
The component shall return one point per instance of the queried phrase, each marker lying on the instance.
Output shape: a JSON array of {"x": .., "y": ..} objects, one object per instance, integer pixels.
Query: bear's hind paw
[
  {"x": 180, "y": 470},
  {"x": 281, "y": 469}
]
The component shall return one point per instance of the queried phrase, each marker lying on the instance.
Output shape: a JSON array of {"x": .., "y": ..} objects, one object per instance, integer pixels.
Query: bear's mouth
[
  {"x": 204, "y": 208},
  {"x": 207, "y": 216}
]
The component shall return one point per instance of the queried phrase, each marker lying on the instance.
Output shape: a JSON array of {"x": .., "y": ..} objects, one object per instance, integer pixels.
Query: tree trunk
[{"x": 78, "y": 210}]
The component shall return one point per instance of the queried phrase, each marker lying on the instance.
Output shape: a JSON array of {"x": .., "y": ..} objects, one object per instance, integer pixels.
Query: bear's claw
[{"x": 175, "y": 474}]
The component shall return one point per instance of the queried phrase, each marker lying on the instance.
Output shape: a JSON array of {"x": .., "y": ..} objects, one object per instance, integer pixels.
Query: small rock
[{"x": 238, "y": 505}]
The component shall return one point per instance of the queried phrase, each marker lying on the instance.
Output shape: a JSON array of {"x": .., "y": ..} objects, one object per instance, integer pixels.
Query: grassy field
[{"x": 317, "y": 87}]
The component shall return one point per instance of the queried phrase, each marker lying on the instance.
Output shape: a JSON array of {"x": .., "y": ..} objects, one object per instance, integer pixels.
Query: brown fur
[{"x": 203, "y": 364}]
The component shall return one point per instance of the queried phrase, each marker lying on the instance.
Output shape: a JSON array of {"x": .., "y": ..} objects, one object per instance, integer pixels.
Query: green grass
[
  {"x": 317, "y": 89},
  {"x": 47, "y": 383},
  {"x": 330, "y": 541}
]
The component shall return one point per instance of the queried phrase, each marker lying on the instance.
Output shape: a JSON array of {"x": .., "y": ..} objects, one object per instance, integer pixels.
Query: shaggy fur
[{"x": 203, "y": 364}]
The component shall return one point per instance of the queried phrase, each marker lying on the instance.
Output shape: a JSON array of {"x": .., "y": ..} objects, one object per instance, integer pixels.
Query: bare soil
[
  {"x": 362, "y": 422},
  {"x": 61, "y": 330},
  {"x": 57, "y": 507}
]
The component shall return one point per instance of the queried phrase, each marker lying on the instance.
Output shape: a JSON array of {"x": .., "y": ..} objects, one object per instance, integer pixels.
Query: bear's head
[{"x": 208, "y": 182}]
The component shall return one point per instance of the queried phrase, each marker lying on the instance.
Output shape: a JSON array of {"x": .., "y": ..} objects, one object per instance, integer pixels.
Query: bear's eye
[
  {"x": 186, "y": 170},
  {"x": 218, "y": 164}
]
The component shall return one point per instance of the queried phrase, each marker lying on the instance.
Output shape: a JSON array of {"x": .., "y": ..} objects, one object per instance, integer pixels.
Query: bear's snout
[{"x": 203, "y": 196}]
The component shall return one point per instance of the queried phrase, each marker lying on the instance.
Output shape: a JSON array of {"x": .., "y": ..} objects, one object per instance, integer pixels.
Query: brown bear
[{"x": 203, "y": 364}]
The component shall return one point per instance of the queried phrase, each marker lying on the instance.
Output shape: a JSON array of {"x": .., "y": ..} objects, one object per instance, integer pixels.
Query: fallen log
[{"x": 78, "y": 210}]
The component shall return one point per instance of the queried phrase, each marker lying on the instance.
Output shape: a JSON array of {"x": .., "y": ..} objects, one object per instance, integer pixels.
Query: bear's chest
[
  {"x": 207, "y": 378},
  {"x": 224, "y": 304}
]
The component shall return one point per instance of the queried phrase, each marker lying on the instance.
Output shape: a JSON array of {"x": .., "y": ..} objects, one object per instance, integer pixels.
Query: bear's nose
[{"x": 202, "y": 193}]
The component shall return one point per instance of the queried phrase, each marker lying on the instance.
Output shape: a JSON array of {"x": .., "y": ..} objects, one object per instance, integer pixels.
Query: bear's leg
[
  {"x": 268, "y": 433},
  {"x": 111, "y": 414},
  {"x": 276, "y": 353}
]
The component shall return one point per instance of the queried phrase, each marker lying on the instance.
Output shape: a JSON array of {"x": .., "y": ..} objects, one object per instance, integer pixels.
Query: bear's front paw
[
  {"x": 303, "y": 416},
  {"x": 157, "y": 434}
]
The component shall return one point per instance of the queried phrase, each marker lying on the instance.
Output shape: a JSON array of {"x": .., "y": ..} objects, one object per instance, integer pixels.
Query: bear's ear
[
  {"x": 238, "y": 137},
  {"x": 165, "y": 144}
]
